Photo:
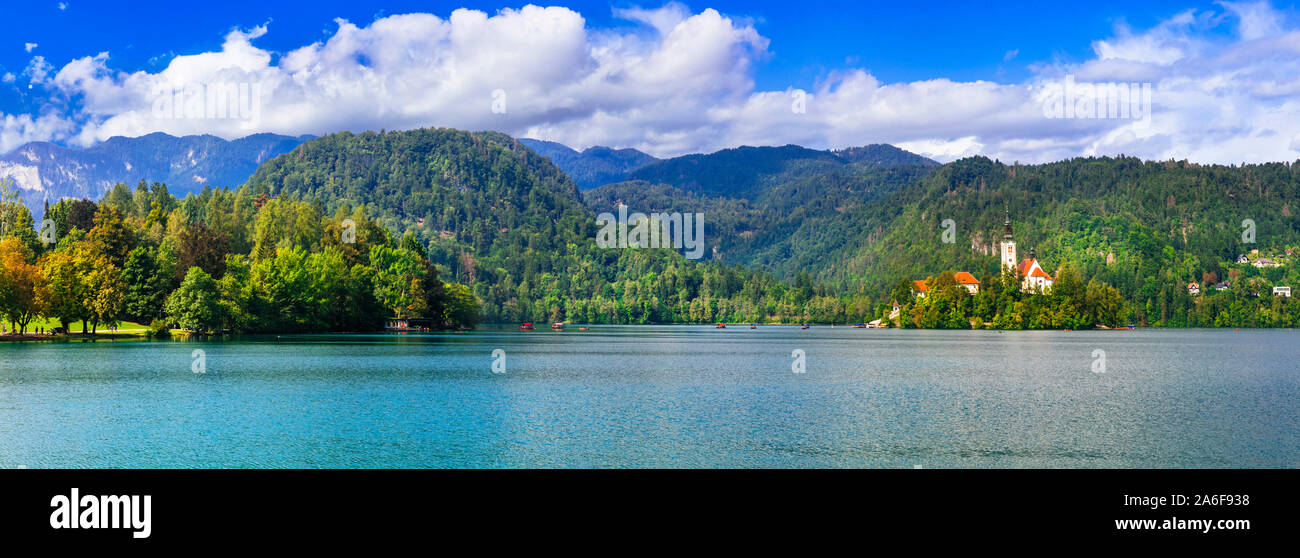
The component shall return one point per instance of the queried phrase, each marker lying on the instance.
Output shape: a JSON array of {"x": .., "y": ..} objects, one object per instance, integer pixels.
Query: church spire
[{"x": 1006, "y": 228}]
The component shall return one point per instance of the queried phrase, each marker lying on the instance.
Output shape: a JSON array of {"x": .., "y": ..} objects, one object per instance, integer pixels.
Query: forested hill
[
  {"x": 882, "y": 154},
  {"x": 478, "y": 190},
  {"x": 505, "y": 220},
  {"x": 775, "y": 209},
  {"x": 1148, "y": 228}
]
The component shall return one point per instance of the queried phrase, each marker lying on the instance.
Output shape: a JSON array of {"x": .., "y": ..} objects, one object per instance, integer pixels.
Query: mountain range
[
  {"x": 43, "y": 170},
  {"x": 511, "y": 218},
  {"x": 850, "y": 223},
  {"x": 594, "y": 166}
]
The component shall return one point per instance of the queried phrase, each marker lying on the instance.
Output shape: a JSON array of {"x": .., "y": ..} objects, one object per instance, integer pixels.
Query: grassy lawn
[{"x": 48, "y": 323}]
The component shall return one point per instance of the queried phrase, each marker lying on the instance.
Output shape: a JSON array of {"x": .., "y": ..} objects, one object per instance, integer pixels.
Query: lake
[{"x": 660, "y": 396}]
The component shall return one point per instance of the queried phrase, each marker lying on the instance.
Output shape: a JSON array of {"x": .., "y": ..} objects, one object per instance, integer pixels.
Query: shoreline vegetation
[{"x": 352, "y": 232}]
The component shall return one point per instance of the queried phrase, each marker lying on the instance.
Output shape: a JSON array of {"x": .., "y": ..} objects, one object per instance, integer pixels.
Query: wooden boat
[
  {"x": 527, "y": 327},
  {"x": 753, "y": 326},
  {"x": 805, "y": 326},
  {"x": 859, "y": 326},
  {"x": 721, "y": 326}
]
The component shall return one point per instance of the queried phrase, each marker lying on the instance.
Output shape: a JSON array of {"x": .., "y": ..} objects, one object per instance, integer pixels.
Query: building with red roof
[
  {"x": 967, "y": 280},
  {"x": 1032, "y": 276}
]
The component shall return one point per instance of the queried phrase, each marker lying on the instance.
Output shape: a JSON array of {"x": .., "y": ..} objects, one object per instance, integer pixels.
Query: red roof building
[
  {"x": 1033, "y": 278},
  {"x": 967, "y": 280}
]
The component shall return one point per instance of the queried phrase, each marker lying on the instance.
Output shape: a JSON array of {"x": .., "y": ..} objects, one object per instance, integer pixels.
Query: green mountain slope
[
  {"x": 506, "y": 221},
  {"x": 1147, "y": 228},
  {"x": 780, "y": 213}
]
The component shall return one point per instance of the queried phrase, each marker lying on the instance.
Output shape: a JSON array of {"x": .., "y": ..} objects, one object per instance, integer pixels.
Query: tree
[
  {"x": 22, "y": 286},
  {"x": 68, "y": 288},
  {"x": 106, "y": 294},
  {"x": 147, "y": 286},
  {"x": 15, "y": 219},
  {"x": 196, "y": 304},
  {"x": 397, "y": 274},
  {"x": 204, "y": 248},
  {"x": 111, "y": 238},
  {"x": 462, "y": 307}
]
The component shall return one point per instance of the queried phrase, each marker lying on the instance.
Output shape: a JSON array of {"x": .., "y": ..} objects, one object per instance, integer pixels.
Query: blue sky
[
  {"x": 756, "y": 54},
  {"x": 898, "y": 41}
]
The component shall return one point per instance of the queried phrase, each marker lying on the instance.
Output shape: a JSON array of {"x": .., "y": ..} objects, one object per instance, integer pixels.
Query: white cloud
[
  {"x": 38, "y": 70},
  {"x": 678, "y": 81},
  {"x": 30, "y": 46},
  {"x": 16, "y": 130}
]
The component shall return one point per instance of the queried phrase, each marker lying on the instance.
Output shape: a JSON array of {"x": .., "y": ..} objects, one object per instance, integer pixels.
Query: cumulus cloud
[
  {"x": 16, "y": 130},
  {"x": 678, "y": 81},
  {"x": 30, "y": 46}
]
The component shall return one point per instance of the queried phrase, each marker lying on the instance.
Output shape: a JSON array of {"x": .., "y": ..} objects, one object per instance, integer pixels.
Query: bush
[{"x": 159, "y": 328}]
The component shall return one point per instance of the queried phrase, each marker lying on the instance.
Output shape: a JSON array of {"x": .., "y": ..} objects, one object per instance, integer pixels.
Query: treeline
[
  {"x": 1001, "y": 304},
  {"x": 512, "y": 226},
  {"x": 215, "y": 261}
]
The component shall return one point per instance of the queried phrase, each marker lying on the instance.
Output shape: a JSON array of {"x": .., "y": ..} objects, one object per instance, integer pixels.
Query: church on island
[{"x": 1033, "y": 279}]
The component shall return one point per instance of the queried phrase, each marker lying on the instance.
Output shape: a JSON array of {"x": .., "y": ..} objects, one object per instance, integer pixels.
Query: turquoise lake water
[{"x": 670, "y": 396}]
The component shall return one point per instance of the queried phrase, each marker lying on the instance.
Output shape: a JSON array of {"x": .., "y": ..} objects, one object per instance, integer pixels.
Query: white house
[
  {"x": 1282, "y": 291},
  {"x": 1032, "y": 276},
  {"x": 967, "y": 280}
]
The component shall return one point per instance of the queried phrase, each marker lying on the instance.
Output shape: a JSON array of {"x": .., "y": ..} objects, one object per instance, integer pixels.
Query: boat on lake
[
  {"x": 527, "y": 326},
  {"x": 557, "y": 326},
  {"x": 721, "y": 326}
]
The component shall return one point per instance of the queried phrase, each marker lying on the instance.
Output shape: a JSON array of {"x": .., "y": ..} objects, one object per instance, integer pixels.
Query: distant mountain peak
[
  {"x": 44, "y": 170},
  {"x": 882, "y": 154},
  {"x": 594, "y": 166}
]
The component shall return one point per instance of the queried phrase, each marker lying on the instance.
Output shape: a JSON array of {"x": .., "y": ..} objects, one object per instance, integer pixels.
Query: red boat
[
  {"x": 721, "y": 326},
  {"x": 527, "y": 327}
]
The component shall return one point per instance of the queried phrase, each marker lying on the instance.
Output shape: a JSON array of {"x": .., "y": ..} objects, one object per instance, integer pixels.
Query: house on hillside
[
  {"x": 1243, "y": 259},
  {"x": 1282, "y": 291},
  {"x": 1222, "y": 286},
  {"x": 919, "y": 288},
  {"x": 1193, "y": 288},
  {"x": 1265, "y": 262}
]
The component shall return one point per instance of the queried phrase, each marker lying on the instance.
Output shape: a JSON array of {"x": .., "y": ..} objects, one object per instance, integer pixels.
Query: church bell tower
[{"x": 1008, "y": 246}]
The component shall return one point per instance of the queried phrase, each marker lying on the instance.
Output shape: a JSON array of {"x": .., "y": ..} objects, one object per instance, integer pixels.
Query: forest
[
  {"x": 348, "y": 230},
  {"x": 217, "y": 261}
]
